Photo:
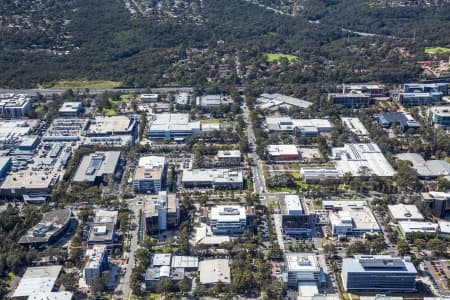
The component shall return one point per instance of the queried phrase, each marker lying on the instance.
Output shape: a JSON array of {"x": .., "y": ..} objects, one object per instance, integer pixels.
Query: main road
[{"x": 45, "y": 92}]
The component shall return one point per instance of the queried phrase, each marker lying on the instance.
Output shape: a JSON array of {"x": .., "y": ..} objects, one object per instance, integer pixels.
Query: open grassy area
[
  {"x": 317, "y": 204},
  {"x": 210, "y": 121},
  {"x": 83, "y": 83},
  {"x": 271, "y": 57},
  {"x": 109, "y": 112},
  {"x": 434, "y": 50}
]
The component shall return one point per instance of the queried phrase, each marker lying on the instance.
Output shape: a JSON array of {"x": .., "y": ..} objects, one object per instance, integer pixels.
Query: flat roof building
[
  {"x": 113, "y": 125},
  {"x": 183, "y": 98},
  {"x": 213, "y": 101},
  {"x": 283, "y": 152},
  {"x": 229, "y": 157},
  {"x": 71, "y": 109},
  {"x": 28, "y": 182},
  {"x": 351, "y": 219},
  {"x": 65, "y": 129},
  {"x": 146, "y": 98},
  {"x": 269, "y": 101},
  {"x": 405, "y": 212},
  {"x": 103, "y": 229},
  {"x": 213, "y": 178},
  {"x": 294, "y": 221},
  {"x": 14, "y": 105},
  {"x": 350, "y": 100},
  {"x": 95, "y": 166},
  {"x": 304, "y": 127},
  {"x": 172, "y": 126},
  {"x": 439, "y": 115},
  {"x": 38, "y": 281},
  {"x": 12, "y": 131},
  {"x": 426, "y": 88},
  {"x": 378, "y": 274},
  {"x": 404, "y": 120},
  {"x": 214, "y": 270},
  {"x": 438, "y": 202},
  {"x": 302, "y": 267},
  {"x": 96, "y": 264},
  {"x": 371, "y": 90},
  {"x": 186, "y": 262},
  {"x": 355, "y": 126},
  {"x": 364, "y": 159},
  {"x": 412, "y": 99},
  {"x": 320, "y": 174},
  {"x": 161, "y": 259},
  {"x": 162, "y": 212},
  {"x": 150, "y": 174},
  {"x": 51, "y": 227},
  {"x": 407, "y": 227},
  {"x": 228, "y": 219}
]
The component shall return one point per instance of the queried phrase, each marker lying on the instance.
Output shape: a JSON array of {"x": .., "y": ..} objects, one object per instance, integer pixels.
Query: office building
[
  {"x": 66, "y": 130},
  {"x": 71, "y": 109},
  {"x": 364, "y": 159},
  {"x": 150, "y": 174},
  {"x": 213, "y": 101},
  {"x": 405, "y": 212},
  {"x": 37, "y": 284},
  {"x": 403, "y": 120},
  {"x": 103, "y": 229},
  {"x": 303, "y": 127},
  {"x": 301, "y": 268},
  {"x": 426, "y": 88},
  {"x": 351, "y": 218},
  {"x": 439, "y": 115},
  {"x": 5, "y": 165},
  {"x": 29, "y": 143},
  {"x": 172, "y": 126},
  {"x": 214, "y": 270},
  {"x": 371, "y": 90},
  {"x": 355, "y": 126},
  {"x": 161, "y": 259},
  {"x": 271, "y": 101},
  {"x": 14, "y": 105},
  {"x": 282, "y": 152},
  {"x": 438, "y": 202},
  {"x": 294, "y": 221},
  {"x": 229, "y": 157},
  {"x": 412, "y": 99},
  {"x": 13, "y": 131},
  {"x": 407, "y": 227},
  {"x": 419, "y": 165},
  {"x": 113, "y": 130},
  {"x": 213, "y": 178},
  {"x": 230, "y": 219},
  {"x": 188, "y": 263},
  {"x": 149, "y": 98},
  {"x": 311, "y": 175},
  {"x": 162, "y": 212},
  {"x": 95, "y": 166},
  {"x": 51, "y": 227},
  {"x": 378, "y": 274},
  {"x": 27, "y": 183},
  {"x": 154, "y": 274},
  {"x": 350, "y": 100},
  {"x": 183, "y": 99},
  {"x": 444, "y": 228},
  {"x": 96, "y": 264}
]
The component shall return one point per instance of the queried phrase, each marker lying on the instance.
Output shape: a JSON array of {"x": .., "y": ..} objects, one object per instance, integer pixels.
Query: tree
[
  {"x": 164, "y": 285},
  {"x": 437, "y": 247},
  {"x": 403, "y": 248}
]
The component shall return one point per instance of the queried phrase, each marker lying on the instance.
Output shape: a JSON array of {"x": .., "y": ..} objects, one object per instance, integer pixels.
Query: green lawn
[
  {"x": 210, "y": 121},
  {"x": 317, "y": 204},
  {"x": 271, "y": 57},
  {"x": 434, "y": 50},
  {"x": 83, "y": 83}
]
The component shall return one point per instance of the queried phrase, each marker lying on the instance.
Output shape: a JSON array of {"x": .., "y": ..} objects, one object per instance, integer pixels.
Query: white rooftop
[
  {"x": 282, "y": 150},
  {"x": 94, "y": 257},
  {"x": 293, "y": 204},
  {"x": 444, "y": 227},
  {"x": 229, "y": 154},
  {"x": 405, "y": 212},
  {"x": 162, "y": 259},
  {"x": 301, "y": 262},
  {"x": 215, "y": 270},
  {"x": 228, "y": 213},
  {"x": 37, "y": 280},
  {"x": 152, "y": 162},
  {"x": 184, "y": 261},
  {"x": 362, "y": 160},
  {"x": 412, "y": 226},
  {"x": 355, "y": 126}
]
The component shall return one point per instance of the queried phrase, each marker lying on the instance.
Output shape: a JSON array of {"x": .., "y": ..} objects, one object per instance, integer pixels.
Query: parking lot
[{"x": 438, "y": 271}]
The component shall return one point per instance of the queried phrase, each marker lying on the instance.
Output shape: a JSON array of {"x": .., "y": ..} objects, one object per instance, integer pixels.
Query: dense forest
[{"x": 45, "y": 42}]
